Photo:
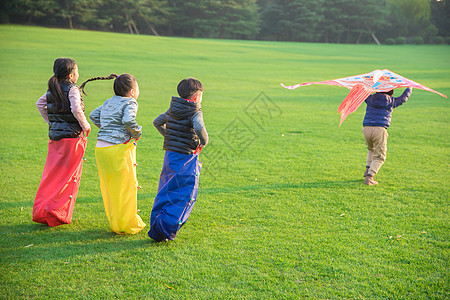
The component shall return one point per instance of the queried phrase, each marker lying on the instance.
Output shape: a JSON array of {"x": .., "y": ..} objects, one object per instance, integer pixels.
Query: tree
[
  {"x": 338, "y": 21},
  {"x": 133, "y": 16},
  {"x": 215, "y": 19},
  {"x": 413, "y": 17},
  {"x": 440, "y": 12},
  {"x": 231, "y": 19},
  {"x": 28, "y": 10},
  {"x": 353, "y": 21},
  {"x": 69, "y": 10},
  {"x": 415, "y": 10},
  {"x": 297, "y": 20},
  {"x": 327, "y": 21}
]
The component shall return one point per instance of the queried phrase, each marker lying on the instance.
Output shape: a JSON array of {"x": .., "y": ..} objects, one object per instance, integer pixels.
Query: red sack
[{"x": 60, "y": 181}]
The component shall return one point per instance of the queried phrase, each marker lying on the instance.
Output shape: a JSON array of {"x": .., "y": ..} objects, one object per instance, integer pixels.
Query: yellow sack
[{"x": 118, "y": 183}]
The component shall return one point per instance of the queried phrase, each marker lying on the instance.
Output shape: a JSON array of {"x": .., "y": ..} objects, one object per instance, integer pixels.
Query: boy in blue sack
[{"x": 184, "y": 136}]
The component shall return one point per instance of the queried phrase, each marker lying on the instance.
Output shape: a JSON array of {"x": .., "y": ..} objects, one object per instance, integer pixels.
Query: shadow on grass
[
  {"x": 284, "y": 186},
  {"x": 294, "y": 132},
  {"x": 34, "y": 241}
]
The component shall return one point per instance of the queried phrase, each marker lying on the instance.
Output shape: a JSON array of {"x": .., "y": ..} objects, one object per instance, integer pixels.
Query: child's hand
[{"x": 86, "y": 132}]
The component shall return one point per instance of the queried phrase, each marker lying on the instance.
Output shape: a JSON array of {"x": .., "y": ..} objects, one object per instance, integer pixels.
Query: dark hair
[
  {"x": 62, "y": 68},
  {"x": 123, "y": 84},
  {"x": 188, "y": 87},
  {"x": 390, "y": 93}
]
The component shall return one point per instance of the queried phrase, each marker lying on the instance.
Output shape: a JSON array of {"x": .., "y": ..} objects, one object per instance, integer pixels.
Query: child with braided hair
[{"x": 116, "y": 156}]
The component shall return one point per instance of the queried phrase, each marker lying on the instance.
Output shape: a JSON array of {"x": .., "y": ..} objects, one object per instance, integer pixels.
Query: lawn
[{"x": 282, "y": 211}]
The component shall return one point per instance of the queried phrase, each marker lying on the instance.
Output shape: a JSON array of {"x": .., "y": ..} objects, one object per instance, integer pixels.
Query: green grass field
[{"x": 282, "y": 211}]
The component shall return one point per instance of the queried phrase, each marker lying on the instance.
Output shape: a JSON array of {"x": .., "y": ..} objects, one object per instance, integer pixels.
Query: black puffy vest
[
  {"x": 62, "y": 124},
  {"x": 180, "y": 135}
]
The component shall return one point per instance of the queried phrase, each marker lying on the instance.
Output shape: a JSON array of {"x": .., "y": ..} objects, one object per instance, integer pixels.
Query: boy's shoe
[
  {"x": 367, "y": 171},
  {"x": 369, "y": 180}
]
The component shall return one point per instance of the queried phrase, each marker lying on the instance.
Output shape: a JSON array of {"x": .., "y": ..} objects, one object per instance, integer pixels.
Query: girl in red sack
[
  {"x": 116, "y": 155},
  {"x": 62, "y": 107}
]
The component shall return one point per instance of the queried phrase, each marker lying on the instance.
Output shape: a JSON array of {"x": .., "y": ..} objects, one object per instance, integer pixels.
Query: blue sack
[{"x": 177, "y": 193}]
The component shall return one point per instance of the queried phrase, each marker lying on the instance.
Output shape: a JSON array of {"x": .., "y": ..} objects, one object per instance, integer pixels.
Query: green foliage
[
  {"x": 438, "y": 40},
  {"x": 418, "y": 40},
  {"x": 133, "y": 16},
  {"x": 400, "y": 40},
  {"x": 440, "y": 10},
  {"x": 417, "y": 10},
  {"x": 29, "y": 10},
  {"x": 339, "y": 21},
  {"x": 389, "y": 41},
  {"x": 428, "y": 33},
  {"x": 293, "y": 20},
  {"x": 346, "y": 21},
  {"x": 215, "y": 19},
  {"x": 285, "y": 216},
  {"x": 75, "y": 11}
]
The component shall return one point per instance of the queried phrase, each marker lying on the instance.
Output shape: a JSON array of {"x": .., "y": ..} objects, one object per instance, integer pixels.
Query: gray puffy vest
[
  {"x": 180, "y": 135},
  {"x": 62, "y": 124}
]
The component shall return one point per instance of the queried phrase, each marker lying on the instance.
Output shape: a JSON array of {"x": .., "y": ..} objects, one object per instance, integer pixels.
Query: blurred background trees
[{"x": 337, "y": 21}]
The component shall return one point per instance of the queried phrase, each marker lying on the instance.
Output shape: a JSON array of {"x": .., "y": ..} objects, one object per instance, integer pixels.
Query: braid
[{"x": 112, "y": 76}]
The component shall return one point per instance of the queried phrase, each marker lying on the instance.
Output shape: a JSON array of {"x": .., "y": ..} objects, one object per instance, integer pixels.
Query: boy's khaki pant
[{"x": 376, "y": 140}]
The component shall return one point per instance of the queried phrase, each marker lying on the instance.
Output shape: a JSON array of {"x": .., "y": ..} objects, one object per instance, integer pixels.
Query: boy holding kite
[
  {"x": 376, "y": 121},
  {"x": 379, "y": 108}
]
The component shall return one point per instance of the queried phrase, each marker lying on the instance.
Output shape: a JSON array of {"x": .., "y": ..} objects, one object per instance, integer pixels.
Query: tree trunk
[
  {"x": 221, "y": 31},
  {"x": 375, "y": 39},
  {"x": 134, "y": 26},
  {"x": 129, "y": 23},
  {"x": 373, "y": 36},
  {"x": 70, "y": 22},
  {"x": 151, "y": 27},
  {"x": 359, "y": 37}
]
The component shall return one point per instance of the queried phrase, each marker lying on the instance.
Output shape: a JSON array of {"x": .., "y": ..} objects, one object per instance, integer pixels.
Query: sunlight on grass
[{"x": 281, "y": 211}]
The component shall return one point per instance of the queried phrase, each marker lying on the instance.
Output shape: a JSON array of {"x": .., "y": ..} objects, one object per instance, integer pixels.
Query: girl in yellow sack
[{"x": 116, "y": 155}]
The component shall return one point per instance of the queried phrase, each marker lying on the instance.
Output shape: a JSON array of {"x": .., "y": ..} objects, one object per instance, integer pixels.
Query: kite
[
  {"x": 57, "y": 192},
  {"x": 118, "y": 183},
  {"x": 177, "y": 193},
  {"x": 361, "y": 86}
]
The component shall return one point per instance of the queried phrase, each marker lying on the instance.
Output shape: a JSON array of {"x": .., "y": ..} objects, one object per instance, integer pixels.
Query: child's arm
[
  {"x": 199, "y": 128},
  {"x": 403, "y": 98},
  {"x": 95, "y": 116},
  {"x": 41, "y": 105},
  {"x": 77, "y": 110},
  {"x": 160, "y": 123},
  {"x": 129, "y": 119}
]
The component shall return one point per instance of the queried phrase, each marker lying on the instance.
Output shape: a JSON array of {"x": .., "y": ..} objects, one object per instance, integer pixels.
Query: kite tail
[{"x": 353, "y": 100}]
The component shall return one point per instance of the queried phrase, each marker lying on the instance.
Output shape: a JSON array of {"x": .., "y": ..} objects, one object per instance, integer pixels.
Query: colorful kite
[{"x": 361, "y": 86}]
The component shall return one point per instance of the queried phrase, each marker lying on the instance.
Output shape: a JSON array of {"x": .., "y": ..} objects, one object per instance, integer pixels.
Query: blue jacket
[{"x": 380, "y": 106}]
